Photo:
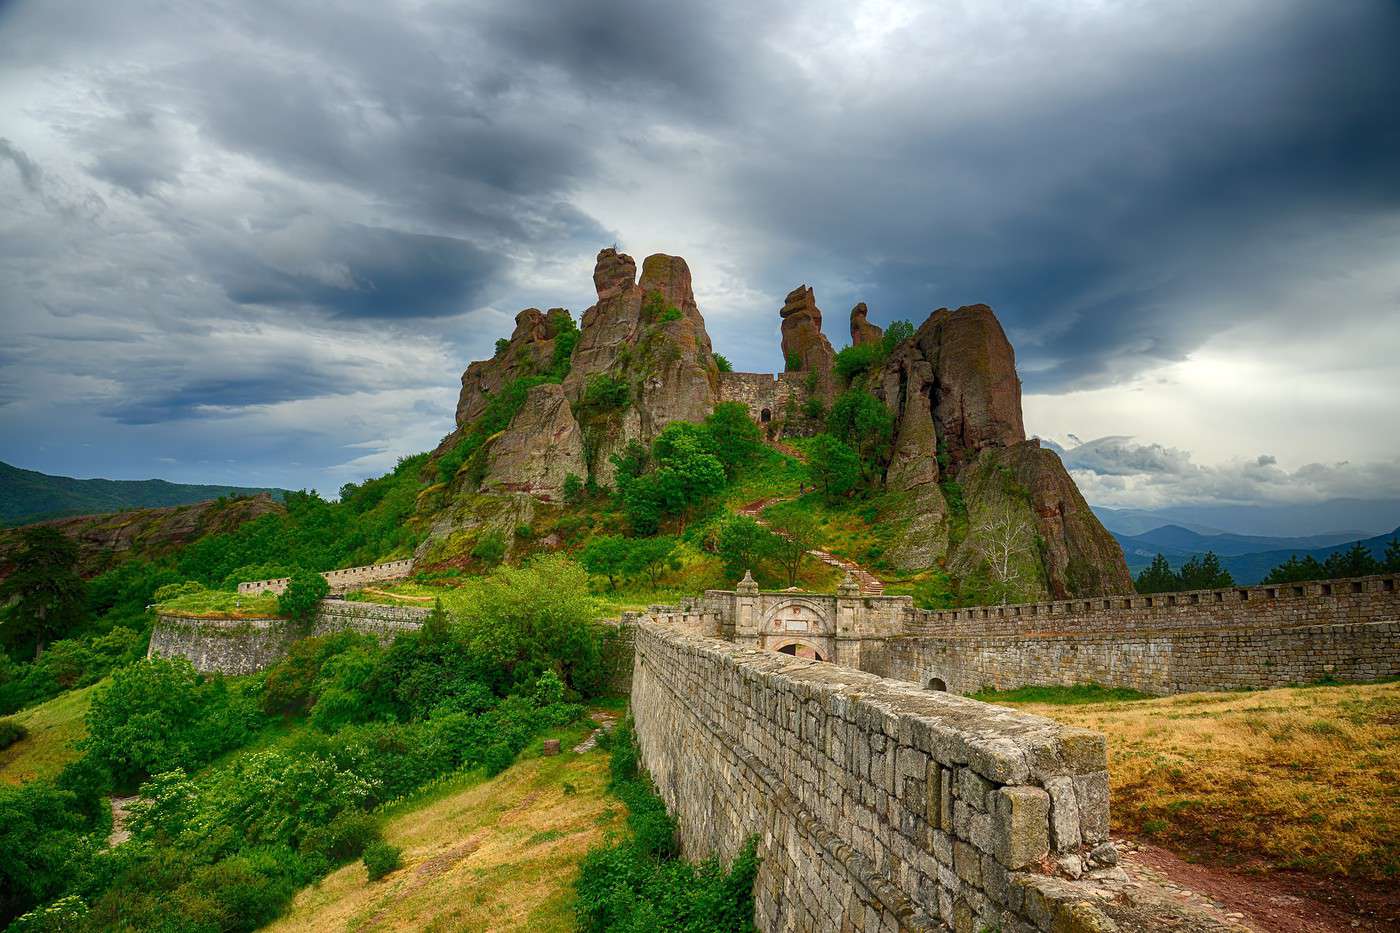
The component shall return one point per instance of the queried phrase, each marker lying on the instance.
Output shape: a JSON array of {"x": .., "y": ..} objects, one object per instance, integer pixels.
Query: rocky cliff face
[
  {"x": 542, "y": 446},
  {"x": 530, "y": 351},
  {"x": 805, "y": 347},
  {"x": 107, "y": 540}
]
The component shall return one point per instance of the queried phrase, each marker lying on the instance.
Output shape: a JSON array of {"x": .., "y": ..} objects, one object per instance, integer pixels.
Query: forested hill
[{"x": 28, "y": 496}]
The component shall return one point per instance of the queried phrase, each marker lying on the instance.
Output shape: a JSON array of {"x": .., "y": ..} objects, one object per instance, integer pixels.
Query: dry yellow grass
[
  {"x": 500, "y": 855},
  {"x": 1299, "y": 778}
]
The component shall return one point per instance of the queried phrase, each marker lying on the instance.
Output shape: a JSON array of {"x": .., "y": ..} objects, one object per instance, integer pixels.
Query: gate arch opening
[
  {"x": 938, "y": 684},
  {"x": 801, "y": 649},
  {"x": 766, "y": 415}
]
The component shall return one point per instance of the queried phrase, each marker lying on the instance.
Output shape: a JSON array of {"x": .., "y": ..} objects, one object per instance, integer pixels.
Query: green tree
[
  {"x": 897, "y": 333},
  {"x": 864, "y": 423},
  {"x": 722, "y": 363},
  {"x": 606, "y": 556},
  {"x": 303, "y": 595},
  {"x": 1295, "y": 570},
  {"x": 574, "y": 488},
  {"x": 47, "y": 592},
  {"x": 833, "y": 466},
  {"x": 1355, "y": 561},
  {"x": 1391, "y": 564},
  {"x": 742, "y": 544},
  {"x": 1157, "y": 578},
  {"x": 1204, "y": 573},
  {"x": 854, "y": 361},
  {"x": 793, "y": 535},
  {"x": 736, "y": 439},
  {"x": 652, "y": 556}
]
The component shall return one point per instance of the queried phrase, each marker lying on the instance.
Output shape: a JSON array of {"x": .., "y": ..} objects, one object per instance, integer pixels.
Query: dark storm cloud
[
  {"x": 1120, "y": 182},
  {"x": 357, "y": 271}
]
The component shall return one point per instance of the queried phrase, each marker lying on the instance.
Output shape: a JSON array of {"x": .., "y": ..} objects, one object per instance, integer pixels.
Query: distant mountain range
[
  {"x": 28, "y": 496},
  {"x": 1249, "y": 558},
  {"x": 1362, "y": 518}
]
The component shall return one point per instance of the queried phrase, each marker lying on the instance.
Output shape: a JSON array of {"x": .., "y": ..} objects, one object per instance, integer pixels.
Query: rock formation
[
  {"x": 959, "y": 455},
  {"x": 862, "y": 331},
  {"x": 529, "y": 353},
  {"x": 805, "y": 347},
  {"x": 650, "y": 335},
  {"x": 542, "y": 446}
]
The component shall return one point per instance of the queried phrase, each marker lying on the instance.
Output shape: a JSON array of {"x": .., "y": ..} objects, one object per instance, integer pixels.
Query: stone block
[
  {"x": 1021, "y": 825},
  {"x": 1064, "y": 814}
]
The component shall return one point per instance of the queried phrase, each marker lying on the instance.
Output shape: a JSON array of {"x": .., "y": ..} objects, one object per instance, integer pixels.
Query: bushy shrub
[
  {"x": 303, "y": 595},
  {"x": 44, "y": 846},
  {"x": 289, "y": 686},
  {"x": 722, "y": 363},
  {"x": 161, "y": 714},
  {"x": 380, "y": 858},
  {"x": 639, "y": 884},
  {"x": 346, "y": 837},
  {"x": 11, "y": 732},
  {"x": 490, "y": 548}
]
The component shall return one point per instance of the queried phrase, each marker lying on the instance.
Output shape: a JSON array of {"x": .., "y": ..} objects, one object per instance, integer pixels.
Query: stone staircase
[{"x": 870, "y": 585}]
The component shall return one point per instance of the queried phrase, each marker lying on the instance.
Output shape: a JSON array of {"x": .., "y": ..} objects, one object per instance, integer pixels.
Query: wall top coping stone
[
  {"x": 1001, "y": 744},
  {"x": 869, "y": 597},
  {"x": 1346, "y": 586}
]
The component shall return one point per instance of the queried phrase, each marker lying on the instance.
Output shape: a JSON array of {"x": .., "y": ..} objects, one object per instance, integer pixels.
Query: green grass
[
  {"x": 222, "y": 603},
  {"x": 53, "y": 728},
  {"x": 1077, "y": 695},
  {"x": 771, "y": 474}
]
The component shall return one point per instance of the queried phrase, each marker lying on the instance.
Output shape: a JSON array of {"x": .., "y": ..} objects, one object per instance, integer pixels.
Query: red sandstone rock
[
  {"x": 539, "y": 449},
  {"x": 530, "y": 352},
  {"x": 862, "y": 331}
]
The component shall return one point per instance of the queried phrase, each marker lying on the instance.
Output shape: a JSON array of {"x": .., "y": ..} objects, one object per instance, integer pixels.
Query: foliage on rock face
[
  {"x": 722, "y": 363},
  {"x": 490, "y": 548},
  {"x": 737, "y": 441},
  {"x": 639, "y": 884},
  {"x": 684, "y": 477},
  {"x": 865, "y": 425},
  {"x": 45, "y": 588},
  {"x": 303, "y": 595}
]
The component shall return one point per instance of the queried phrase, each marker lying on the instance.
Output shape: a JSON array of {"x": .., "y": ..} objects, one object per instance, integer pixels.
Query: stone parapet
[
  {"x": 341, "y": 581},
  {"x": 879, "y": 806}
]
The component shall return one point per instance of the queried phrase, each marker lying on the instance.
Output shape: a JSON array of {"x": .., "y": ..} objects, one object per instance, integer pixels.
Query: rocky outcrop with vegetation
[{"x": 927, "y": 422}]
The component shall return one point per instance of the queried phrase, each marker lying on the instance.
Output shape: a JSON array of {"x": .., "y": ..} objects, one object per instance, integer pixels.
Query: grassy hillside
[
  {"x": 29, "y": 496},
  {"x": 1305, "y": 778},
  {"x": 53, "y": 728},
  {"x": 497, "y": 854}
]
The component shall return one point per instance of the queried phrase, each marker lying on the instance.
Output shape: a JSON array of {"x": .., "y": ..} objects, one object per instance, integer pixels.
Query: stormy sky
[{"x": 258, "y": 242}]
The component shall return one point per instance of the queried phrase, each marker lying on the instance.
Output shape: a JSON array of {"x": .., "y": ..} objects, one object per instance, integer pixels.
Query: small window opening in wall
[
  {"x": 1271, "y": 593},
  {"x": 1326, "y": 589},
  {"x": 936, "y": 683},
  {"x": 1108, "y": 604},
  {"x": 1388, "y": 586},
  {"x": 1297, "y": 591},
  {"x": 1171, "y": 600},
  {"x": 766, "y": 416},
  {"x": 1244, "y": 595},
  {"x": 1151, "y": 602},
  {"x": 1356, "y": 586},
  {"x": 1195, "y": 599},
  {"x": 1220, "y": 597}
]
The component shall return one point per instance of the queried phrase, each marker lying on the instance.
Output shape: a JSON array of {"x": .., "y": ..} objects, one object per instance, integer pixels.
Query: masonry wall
[
  {"x": 341, "y": 581},
  {"x": 1244, "y": 637},
  {"x": 243, "y": 646},
  {"x": 878, "y": 806},
  {"x": 759, "y": 391}
]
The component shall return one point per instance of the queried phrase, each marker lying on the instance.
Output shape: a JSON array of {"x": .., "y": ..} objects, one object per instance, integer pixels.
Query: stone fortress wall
[
  {"x": 761, "y": 392},
  {"x": 341, "y": 581},
  {"x": 1257, "y": 636},
  {"x": 879, "y": 806},
  {"x": 244, "y": 646}
]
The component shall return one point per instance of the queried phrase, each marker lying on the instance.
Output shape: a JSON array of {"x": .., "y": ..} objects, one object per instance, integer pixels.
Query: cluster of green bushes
[
  {"x": 66, "y": 665},
  {"x": 638, "y": 883},
  {"x": 239, "y": 811},
  {"x": 686, "y": 468},
  {"x": 854, "y": 362},
  {"x": 1355, "y": 561}
]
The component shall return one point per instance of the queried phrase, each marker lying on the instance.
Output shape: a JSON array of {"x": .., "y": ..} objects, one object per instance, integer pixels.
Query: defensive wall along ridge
[
  {"x": 341, "y": 581},
  {"x": 1241, "y": 637}
]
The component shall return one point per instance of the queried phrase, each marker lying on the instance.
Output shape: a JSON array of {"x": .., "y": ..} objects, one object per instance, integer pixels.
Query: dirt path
[
  {"x": 1277, "y": 902},
  {"x": 870, "y": 584}
]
